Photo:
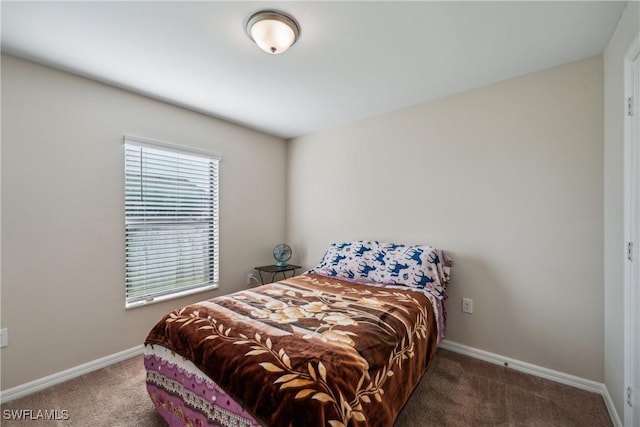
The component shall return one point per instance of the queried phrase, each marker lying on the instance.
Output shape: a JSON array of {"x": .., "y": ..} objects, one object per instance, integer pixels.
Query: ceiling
[{"x": 352, "y": 60}]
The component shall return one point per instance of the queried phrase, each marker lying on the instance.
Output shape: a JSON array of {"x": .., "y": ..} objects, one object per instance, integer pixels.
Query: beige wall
[
  {"x": 627, "y": 29},
  {"x": 507, "y": 178},
  {"x": 62, "y": 213}
]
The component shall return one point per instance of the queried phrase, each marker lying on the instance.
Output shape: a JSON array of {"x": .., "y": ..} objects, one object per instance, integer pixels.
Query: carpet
[{"x": 456, "y": 391}]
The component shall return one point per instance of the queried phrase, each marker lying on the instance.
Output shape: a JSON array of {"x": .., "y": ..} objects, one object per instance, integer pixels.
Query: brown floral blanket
[{"x": 310, "y": 350}]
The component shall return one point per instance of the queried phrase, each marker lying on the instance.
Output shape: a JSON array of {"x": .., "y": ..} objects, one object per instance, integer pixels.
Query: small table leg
[{"x": 274, "y": 274}]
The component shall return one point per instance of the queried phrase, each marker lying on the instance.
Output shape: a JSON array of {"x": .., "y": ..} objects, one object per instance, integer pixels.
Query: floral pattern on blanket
[{"x": 324, "y": 349}]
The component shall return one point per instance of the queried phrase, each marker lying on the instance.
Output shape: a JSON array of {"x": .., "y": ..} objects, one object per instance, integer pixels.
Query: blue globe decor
[{"x": 282, "y": 253}]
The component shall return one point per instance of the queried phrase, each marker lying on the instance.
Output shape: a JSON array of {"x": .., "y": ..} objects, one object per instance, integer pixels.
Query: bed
[{"x": 343, "y": 344}]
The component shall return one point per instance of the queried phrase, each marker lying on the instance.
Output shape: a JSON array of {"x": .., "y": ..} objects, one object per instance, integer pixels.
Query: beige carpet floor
[{"x": 456, "y": 391}]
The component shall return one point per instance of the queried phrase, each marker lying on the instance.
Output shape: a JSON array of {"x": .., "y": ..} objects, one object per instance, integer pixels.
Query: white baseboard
[
  {"x": 60, "y": 377},
  {"x": 613, "y": 414},
  {"x": 538, "y": 371}
]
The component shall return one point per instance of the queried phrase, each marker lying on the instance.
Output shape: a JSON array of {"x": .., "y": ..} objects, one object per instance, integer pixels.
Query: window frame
[{"x": 214, "y": 235}]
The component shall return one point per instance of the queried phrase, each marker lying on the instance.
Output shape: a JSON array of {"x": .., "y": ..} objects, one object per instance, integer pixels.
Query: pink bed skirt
[{"x": 185, "y": 396}]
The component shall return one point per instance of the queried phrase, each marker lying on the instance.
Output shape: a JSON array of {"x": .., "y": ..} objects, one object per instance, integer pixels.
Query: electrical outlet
[
  {"x": 4, "y": 337},
  {"x": 467, "y": 305}
]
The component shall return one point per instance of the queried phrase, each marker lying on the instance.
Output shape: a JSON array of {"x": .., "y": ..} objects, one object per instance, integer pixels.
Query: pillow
[
  {"x": 415, "y": 266},
  {"x": 350, "y": 260}
]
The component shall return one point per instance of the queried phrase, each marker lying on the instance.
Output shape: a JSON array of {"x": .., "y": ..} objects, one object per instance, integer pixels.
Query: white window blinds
[{"x": 171, "y": 221}]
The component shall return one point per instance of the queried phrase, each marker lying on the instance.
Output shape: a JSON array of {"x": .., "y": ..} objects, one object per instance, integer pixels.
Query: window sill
[{"x": 129, "y": 306}]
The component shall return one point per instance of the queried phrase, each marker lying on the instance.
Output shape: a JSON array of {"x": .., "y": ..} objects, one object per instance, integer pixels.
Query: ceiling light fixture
[{"x": 272, "y": 31}]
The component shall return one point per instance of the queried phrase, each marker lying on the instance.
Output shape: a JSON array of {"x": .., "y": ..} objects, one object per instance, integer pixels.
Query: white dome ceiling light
[{"x": 272, "y": 31}]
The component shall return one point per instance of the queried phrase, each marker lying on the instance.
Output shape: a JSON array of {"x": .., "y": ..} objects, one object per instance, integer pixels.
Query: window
[{"x": 171, "y": 221}]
